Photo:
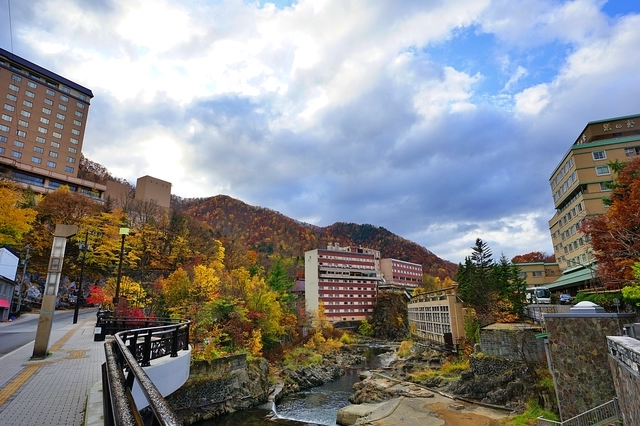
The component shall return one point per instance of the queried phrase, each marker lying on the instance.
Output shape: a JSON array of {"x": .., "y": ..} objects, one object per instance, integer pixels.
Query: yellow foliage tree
[
  {"x": 131, "y": 290},
  {"x": 14, "y": 221}
]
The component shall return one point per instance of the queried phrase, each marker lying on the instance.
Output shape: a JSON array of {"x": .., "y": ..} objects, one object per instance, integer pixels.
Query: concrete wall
[
  {"x": 579, "y": 359},
  {"x": 167, "y": 374},
  {"x": 624, "y": 361},
  {"x": 513, "y": 342}
]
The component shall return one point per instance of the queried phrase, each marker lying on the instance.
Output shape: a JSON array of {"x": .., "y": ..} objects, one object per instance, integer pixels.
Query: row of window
[
  {"x": 561, "y": 173},
  {"x": 348, "y": 310},
  {"x": 18, "y": 79},
  {"x": 36, "y": 160},
  {"x": 344, "y": 288},
  {"x": 345, "y": 295},
  {"x": 349, "y": 303}
]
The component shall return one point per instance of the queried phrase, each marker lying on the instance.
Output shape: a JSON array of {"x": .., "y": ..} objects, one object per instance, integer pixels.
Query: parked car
[{"x": 565, "y": 299}]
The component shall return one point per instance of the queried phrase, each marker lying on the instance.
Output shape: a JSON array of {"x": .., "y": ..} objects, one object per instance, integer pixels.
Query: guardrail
[
  {"x": 605, "y": 414},
  {"x": 128, "y": 353}
]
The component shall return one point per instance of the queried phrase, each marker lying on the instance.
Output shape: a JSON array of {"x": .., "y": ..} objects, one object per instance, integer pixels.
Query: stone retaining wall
[
  {"x": 517, "y": 343},
  {"x": 624, "y": 361}
]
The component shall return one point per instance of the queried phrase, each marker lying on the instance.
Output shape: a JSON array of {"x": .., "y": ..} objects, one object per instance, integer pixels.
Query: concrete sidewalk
[{"x": 52, "y": 391}]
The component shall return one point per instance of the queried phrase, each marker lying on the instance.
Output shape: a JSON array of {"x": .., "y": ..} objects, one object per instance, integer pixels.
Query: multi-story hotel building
[
  {"x": 399, "y": 273},
  {"x": 437, "y": 317},
  {"x": 344, "y": 280},
  {"x": 538, "y": 274},
  {"x": 42, "y": 125},
  {"x": 580, "y": 182}
]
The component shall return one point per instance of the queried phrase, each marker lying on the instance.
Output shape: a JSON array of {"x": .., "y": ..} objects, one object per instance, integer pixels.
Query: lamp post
[
  {"x": 79, "y": 297},
  {"x": 123, "y": 232}
]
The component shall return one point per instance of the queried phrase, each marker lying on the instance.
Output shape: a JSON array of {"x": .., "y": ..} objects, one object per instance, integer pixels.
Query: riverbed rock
[
  {"x": 375, "y": 389},
  {"x": 309, "y": 377}
]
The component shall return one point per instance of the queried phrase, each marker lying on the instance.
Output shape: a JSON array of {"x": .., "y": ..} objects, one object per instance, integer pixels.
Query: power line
[{"x": 10, "y": 27}]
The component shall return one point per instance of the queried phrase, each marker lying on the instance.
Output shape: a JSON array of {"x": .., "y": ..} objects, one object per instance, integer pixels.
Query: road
[{"x": 23, "y": 330}]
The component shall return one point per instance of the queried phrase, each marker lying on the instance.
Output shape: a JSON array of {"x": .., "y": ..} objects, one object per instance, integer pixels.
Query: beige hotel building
[
  {"x": 43, "y": 120},
  {"x": 579, "y": 183}
]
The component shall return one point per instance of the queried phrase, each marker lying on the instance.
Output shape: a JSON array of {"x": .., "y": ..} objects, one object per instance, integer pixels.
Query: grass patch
[
  {"x": 405, "y": 348},
  {"x": 530, "y": 417},
  {"x": 448, "y": 371}
]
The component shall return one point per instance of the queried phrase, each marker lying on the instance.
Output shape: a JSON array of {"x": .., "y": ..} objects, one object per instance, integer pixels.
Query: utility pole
[
  {"x": 24, "y": 275},
  {"x": 79, "y": 296}
]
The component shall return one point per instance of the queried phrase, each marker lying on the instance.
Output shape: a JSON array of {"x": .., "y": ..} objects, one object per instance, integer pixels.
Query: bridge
[{"x": 145, "y": 361}]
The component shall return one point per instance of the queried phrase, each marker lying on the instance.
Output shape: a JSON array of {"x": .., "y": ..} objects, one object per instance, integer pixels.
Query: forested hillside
[{"x": 239, "y": 225}]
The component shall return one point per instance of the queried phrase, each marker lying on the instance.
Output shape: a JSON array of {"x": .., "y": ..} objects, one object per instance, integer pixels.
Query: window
[
  {"x": 79, "y": 114},
  {"x": 28, "y": 104},
  {"x": 25, "y": 113},
  {"x": 23, "y": 123},
  {"x": 48, "y": 101},
  {"x": 599, "y": 155},
  {"x": 16, "y": 78},
  {"x": 6, "y": 117},
  {"x": 12, "y": 97},
  {"x": 19, "y": 144},
  {"x": 60, "y": 116},
  {"x": 36, "y": 160},
  {"x": 51, "y": 164},
  {"x": 68, "y": 169},
  {"x": 80, "y": 105},
  {"x": 83, "y": 97},
  {"x": 57, "y": 135},
  {"x": 1, "y": 150},
  {"x": 30, "y": 94},
  {"x": 32, "y": 84},
  {"x": 9, "y": 107},
  {"x": 71, "y": 160},
  {"x": 16, "y": 154},
  {"x": 65, "y": 89},
  {"x": 64, "y": 98},
  {"x": 55, "y": 144},
  {"x": 77, "y": 123},
  {"x": 46, "y": 111},
  {"x": 72, "y": 140},
  {"x": 59, "y": 126},
  {"x": 602, "y": 170},
  {"x": 53, "y": 154},
  {"x": 4, "y": 128},
  {"x": 44, "y": 120},
  {"x": 62, "y": 107},
  {"x": 75, "y": 132},
  {"x": 51, "y": 92},
  {"x": 42, "y": 130},
  {"x": 3, "y": 139},
  {"x": 605, "y": 186},
  {"x": 40, "y": 139},
  {"x": 38, "y": 149},
  {"x": 14, "y": 87},
  {"x": 21, "y": 133},
  {"x": 73, "y": 150}
]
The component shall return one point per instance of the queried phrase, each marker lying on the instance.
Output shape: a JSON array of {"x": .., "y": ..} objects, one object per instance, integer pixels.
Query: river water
[{"x": 316, "y": 406}]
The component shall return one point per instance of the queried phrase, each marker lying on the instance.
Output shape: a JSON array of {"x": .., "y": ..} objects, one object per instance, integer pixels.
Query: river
[{"x": 315, "y": 406}]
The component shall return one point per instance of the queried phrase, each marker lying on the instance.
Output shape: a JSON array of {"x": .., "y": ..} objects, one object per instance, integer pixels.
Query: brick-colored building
[
  {"x": 400, "y": 273},
  {"x": 42, "y": 126},
  {"x": 344, "y": 280}
]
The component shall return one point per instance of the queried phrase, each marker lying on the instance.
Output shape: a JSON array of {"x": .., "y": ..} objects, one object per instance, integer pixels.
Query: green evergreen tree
[{"x": 279, "y": 281}]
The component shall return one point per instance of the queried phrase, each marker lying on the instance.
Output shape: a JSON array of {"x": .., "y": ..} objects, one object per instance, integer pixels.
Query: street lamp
[
  {"x": 84, "y": 248},
  {"x": 123, "y": 232}
]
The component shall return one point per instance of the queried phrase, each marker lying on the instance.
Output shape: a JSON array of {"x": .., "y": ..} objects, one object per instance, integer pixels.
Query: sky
[{"x": 440, "y": 121}]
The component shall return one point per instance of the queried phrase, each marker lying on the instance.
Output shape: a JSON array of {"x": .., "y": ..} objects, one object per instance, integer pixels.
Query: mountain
[{"x": 269, "y": 232}]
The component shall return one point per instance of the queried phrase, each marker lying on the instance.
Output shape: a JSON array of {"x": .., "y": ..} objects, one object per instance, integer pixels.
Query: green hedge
[{"x": 602, "y": 299}]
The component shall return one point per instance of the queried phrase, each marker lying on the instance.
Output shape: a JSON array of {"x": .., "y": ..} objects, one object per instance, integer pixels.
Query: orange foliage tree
[{"x": 615, "y": 236}]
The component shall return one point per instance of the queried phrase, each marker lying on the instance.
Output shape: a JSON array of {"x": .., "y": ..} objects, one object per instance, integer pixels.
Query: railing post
[
  {"x": 174, "y": 342},
  {"x": 147, "y": 350}
]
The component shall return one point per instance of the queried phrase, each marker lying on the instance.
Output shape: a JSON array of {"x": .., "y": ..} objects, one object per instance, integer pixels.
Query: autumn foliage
[{"x": 615, "y": 236}]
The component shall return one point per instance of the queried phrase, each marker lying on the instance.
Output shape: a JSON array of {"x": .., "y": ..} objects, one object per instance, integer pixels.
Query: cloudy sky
[{"x": 438, "y": 120}]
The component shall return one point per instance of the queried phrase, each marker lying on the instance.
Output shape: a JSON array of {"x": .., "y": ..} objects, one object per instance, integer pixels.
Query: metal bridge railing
[
  {"x": 605, "y": 414},
  {"x": 125, "y": 357}
]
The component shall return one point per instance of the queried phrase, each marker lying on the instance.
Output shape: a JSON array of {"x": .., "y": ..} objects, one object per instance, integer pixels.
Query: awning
[
  {"x": 572, "y": 278},
  {"x": 4, "y": 303}
]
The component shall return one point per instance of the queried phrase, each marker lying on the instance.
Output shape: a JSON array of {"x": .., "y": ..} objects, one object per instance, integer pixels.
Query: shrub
[
  {"x": 405, "y": 348},
  {"x": 346, "y": 339}
]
